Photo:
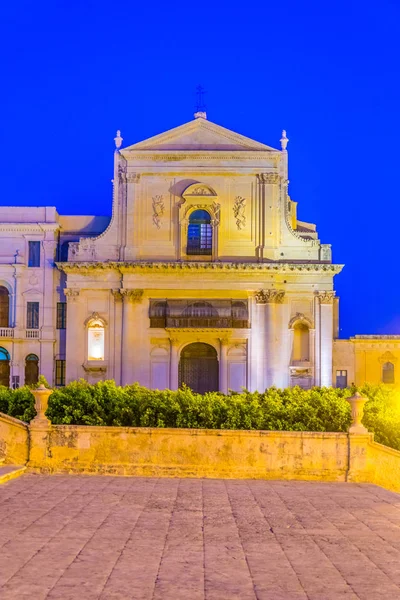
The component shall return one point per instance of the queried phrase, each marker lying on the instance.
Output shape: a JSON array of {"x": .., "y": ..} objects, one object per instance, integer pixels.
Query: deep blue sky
[{"x": 73, "y": 72}]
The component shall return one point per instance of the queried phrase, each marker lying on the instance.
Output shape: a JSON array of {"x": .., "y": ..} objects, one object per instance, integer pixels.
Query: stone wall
[
  {"x": 14, "y": 440},
  {"x": 193, "y": 453}
]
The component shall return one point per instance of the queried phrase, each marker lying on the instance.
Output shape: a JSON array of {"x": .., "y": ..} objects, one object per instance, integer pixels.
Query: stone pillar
[
  {"x": 117, "y": 335},
  {"x": 317, "y": 342},
  {"x": 273, "y": 325},
  {"x": 75, "y": 342},
  {"x": 131, "y": 298},
  {"x": 174, "y": 364},
  {"x": 223, "y": 365},
  {"x": 257, "y": 343},
  {"x": 326, "y": 336},
  {"x": 39, "y": 430}
]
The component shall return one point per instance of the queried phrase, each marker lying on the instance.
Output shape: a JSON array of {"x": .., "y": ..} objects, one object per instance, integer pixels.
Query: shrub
[{"x": 291, "y": 409}]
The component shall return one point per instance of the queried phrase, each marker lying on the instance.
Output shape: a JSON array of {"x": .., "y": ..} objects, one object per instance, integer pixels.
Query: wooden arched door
[
  {"x": 4, "y": 367},
  {"x": 31, "y": 369},
  {"x": 198, "y": 368}
]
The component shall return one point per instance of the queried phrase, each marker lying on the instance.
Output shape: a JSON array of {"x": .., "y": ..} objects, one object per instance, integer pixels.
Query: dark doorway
[
  {"x": 4, "y": 367},
  {"x": 198, "y": 368},
  {"x": 4, "y": 306},
  {"x": 31, "y": 369}
]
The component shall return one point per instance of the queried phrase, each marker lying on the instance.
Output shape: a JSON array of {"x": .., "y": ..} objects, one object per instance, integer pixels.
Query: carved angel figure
[
  {"x": 238, "y": 212},
  {"x": 158, "y": 210}
]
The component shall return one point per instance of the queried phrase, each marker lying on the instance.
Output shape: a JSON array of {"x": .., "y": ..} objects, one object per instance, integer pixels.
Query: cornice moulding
[
  {"x": 170, "y": 267},
  {"x": 189, "y": 155}
]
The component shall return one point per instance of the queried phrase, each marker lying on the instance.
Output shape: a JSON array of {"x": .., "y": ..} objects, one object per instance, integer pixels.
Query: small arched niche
[
  {"x": 301, "y": 342},
  {"x": 95, "y": 338}
]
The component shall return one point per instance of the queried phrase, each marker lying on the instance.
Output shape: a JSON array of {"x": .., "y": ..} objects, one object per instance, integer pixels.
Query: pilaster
[
  {"x": 325, "y": 300},
  {"x": 223, "y": 365},
  {"x": 117, "y": 306},
  {"x": 174, "y": 363},
  {"x": 74, "y": 335},
  {"x": 273, "y": 369},
  {"x": 130, "y": 345}
]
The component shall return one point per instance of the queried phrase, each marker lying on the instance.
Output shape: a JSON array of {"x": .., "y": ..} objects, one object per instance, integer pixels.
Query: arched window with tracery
[
  {"x": 4, "y": 307},
  {"x": 95, "y": 339},
  {"x": 31, "y": 369},
  {"x": 199, "y": 240},
  {"x": 301, "y": 342},
  {"x": 388, "y": 372}
]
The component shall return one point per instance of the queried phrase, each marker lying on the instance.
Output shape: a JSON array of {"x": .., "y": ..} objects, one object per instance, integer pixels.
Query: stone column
[
  {"x": 317, "y": 342},
  {"x": 273, "y": 325},
  {"x": 257, "y": 343},
  {"x": 326, "y": 336},
  {"x": 174, "y": 364},
  {"x": 131, "y": 298},
  {"x": 223, "y": 365}
]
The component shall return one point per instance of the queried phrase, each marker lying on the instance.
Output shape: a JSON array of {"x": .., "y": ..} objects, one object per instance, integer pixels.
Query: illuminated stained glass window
[
  {"x": 199, "y": 233},
  {"x": 96, "y": 340}
]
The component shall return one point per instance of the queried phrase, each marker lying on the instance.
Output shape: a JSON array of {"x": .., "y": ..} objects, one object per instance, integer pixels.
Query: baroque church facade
[{"x": 203, "y": 276}]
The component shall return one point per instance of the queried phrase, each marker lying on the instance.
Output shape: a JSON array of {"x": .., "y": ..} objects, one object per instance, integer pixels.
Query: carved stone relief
[
  {"x": 158, "y": 210},
  {"x": 267, "y": 296},
  {"x": 239, "y": 212}
]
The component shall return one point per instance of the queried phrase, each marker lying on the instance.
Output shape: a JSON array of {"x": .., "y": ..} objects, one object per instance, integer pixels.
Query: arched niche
[
  {"x": 95, "y": 337},
  {"x": 300, "y": 326}
]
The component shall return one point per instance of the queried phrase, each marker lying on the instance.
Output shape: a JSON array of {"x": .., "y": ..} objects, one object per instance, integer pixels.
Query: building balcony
[
  {"x": 32, "y": 334},
  {"x": 13, "y": 333},
  {"x": 199, "y": 322},
  {"x": 6, "y": 332}
]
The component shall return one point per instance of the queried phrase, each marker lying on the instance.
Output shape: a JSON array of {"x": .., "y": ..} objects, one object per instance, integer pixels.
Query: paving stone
[{"x": 110, "y": 538}]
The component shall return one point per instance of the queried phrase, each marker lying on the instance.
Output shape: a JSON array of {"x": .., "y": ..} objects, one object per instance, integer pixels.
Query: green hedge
[{"x": 292, "y": 409}]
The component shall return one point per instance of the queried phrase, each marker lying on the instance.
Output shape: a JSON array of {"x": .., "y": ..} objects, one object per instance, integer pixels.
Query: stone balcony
[{"x": 13, "y": 333}]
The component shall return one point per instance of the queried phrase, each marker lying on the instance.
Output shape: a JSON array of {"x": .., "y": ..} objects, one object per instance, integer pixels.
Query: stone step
[{"x": 8, "y": 472}]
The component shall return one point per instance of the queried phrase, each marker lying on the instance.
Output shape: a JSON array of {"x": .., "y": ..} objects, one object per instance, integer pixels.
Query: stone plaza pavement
[{"x": 87, "y": 537}]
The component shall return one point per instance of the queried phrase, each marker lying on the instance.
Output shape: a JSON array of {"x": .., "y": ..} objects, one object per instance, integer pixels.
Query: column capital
[
  {"x": 174, "y": 342},
  {"x": 117, "y": 295},
  {"x": 134, "y": 296},
  {"x": 325, "y": 297},
  {"x": 268, "y": 177},
  {"x": 269, "y": 296},
  {"x": 71, "y": 294}
]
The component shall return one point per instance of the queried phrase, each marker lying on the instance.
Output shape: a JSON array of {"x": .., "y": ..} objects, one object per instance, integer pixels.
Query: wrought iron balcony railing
[{"x": 199, "y": 322}]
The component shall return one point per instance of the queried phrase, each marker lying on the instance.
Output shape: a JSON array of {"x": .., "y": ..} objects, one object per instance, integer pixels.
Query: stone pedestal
[
  {"x": 357, "y": 412},
  {"x": 39, "y": 430}
]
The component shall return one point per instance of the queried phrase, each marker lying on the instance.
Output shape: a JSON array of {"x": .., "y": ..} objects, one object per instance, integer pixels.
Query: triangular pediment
[{"x": 200, "y": 134}]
